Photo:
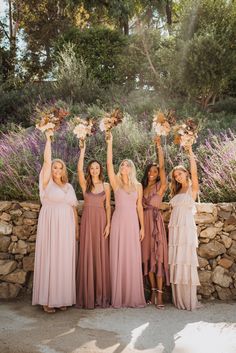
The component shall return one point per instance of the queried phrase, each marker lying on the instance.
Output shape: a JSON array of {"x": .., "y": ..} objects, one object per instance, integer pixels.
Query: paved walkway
[{"x": 26, "y": 329}]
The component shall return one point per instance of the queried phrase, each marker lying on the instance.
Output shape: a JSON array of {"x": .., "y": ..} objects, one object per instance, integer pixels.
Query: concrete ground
[{"x": 27, "y": 329}]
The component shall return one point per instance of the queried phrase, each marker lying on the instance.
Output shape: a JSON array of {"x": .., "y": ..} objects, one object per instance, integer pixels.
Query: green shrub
[
  {"x": 103, "y": 51},
  {"x": 73, "y": 81}
]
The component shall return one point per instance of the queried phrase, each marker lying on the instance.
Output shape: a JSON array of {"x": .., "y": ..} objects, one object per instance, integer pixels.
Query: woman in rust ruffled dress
[{"x": 154, "y": 245}]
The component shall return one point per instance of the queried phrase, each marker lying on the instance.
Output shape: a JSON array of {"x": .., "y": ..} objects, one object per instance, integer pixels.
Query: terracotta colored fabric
[
  {"x": 154, "y": 245},
  {"x": 93, "y": 271}
]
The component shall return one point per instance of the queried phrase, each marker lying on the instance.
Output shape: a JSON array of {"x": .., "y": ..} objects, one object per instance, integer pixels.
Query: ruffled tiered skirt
[{"x": 183, "y": 259}]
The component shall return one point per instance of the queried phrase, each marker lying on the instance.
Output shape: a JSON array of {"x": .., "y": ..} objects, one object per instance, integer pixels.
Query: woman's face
[
  {"x": 153, "y": 173},
  {"x": 94, "y": 169},
  {"x": 125, "y": 168},
  {"x": 57, "y": 170},
  {"x": 180, "y": 176}
]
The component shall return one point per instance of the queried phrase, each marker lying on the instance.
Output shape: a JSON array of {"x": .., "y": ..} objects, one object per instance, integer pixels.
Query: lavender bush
[
  {"x": 21, "y": 156},
  {"x": 218, "y": 167}
]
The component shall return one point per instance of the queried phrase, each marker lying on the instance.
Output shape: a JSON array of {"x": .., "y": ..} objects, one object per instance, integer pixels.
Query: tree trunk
[
  {"x": 169, "y": 12},
  {"x": 124, "y": 25},
  {"x": 12, "y": 38}
]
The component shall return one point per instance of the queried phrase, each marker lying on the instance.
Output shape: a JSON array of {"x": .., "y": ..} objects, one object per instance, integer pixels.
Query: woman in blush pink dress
[
  {"x": 126, "y": 235},
  {"x": 93, "y": 271},
  {"x": 183, "y": 239},
  {"x": 55, "y": 256},
  {"x": 154, "y": 245}
]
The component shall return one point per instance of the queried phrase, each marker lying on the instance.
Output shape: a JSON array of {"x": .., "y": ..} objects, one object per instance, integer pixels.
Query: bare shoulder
[{"x": 107, "y": 186}]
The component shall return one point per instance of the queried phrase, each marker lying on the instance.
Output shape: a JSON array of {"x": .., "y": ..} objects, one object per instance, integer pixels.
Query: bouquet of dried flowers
[
  {"x": 83, "y": 128},
  {"x": 186, "y": 133},
  {"x": 110, "y": 120},
  {"x": 49, "y": 117},
  {"x": 162, "y": 122}
]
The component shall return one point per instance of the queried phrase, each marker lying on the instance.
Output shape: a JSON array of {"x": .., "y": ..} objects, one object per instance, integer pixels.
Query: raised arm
[
  {"x": 47, "y": 160},
  {"x": 140, "y": 211},
  {"x": 160, "y": 155},
  {"x": 110, "y": 167},
  {"x": 193, "y": 170},
  {"x": 108, "y": 210},
  {"x": 80, "y": 169}
]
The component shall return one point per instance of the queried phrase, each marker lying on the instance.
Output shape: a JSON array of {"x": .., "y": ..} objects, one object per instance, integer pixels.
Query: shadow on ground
[{"x": 27, "y": 329}]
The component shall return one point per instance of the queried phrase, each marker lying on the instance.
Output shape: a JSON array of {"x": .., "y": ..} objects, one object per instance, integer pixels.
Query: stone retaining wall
[{"x": 217, "y": 247}]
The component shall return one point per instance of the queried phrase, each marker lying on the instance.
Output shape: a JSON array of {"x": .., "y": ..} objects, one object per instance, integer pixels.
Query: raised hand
[
  {"x": 109, "y": 137},
  {"x": 49, "y": 134},
  {"x": 157, "y": 140}
]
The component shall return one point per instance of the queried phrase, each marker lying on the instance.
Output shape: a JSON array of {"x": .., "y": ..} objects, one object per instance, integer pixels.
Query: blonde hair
[
  {"x": 132, "y": 175},
  {"x": 64, "y": 177},
  {"x": 174, "y": 185}
]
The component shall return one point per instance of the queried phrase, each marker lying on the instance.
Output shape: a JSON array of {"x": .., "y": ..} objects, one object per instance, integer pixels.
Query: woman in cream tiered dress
[{"x": 183, "y": 239}]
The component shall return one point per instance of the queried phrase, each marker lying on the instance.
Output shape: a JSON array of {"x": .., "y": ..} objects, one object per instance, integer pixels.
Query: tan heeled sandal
[
  {"x": 149, "y": 302},
  {"x": 48, "y": 310},
  {"x": 160, "y": 306}
]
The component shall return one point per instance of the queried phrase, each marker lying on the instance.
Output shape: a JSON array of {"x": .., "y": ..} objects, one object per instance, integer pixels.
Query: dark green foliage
[
  {"x": 17, "y": 106},
  {"x": 103, "y": 51}
]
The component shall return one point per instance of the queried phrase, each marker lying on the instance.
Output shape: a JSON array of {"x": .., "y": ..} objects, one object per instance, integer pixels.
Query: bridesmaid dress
[
  {"x": 183, "y": 260},
  {"x": 154, "y": 245},
  {"x": 55, "y": 256},
  {"x": 93, "y": 271},
  {"x": 125, "y": 253}
]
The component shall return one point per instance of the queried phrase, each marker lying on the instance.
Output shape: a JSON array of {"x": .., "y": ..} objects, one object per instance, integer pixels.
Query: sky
[{"x": 2, "y": 8}]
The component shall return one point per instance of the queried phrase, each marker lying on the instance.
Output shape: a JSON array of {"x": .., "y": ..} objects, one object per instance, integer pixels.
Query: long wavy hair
[
  {"x": 89, "y": 181},
  {"x": 132, "y": 175},
  {"x": 145, "y": 175},
  {"x": 64, "y": 177},
  {"x": 174, "y": 185}
]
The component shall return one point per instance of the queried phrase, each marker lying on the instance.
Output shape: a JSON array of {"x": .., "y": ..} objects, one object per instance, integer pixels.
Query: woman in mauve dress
[
  {"x": 154, "y": 245},
  {"x": 127, "y": 231},
  {"x": 183, "y": 239},
  {"x": 93, "y": 270},
  {"x": 55, "y": 255}
]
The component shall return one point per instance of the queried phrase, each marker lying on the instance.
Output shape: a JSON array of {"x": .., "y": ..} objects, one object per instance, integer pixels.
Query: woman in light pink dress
[
  {"x": 93, "y": 270},
  {"x": 126, "y": 235},
  {"x": 183, "y": 239},
  {"x": 55, "y": 256},
  {"x": 154, "y": 245}
]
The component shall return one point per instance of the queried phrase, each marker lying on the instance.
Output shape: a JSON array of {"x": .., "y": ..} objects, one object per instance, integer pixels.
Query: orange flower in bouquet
[
  {"x": 111, "y": 120},
  {"x": 162, "y": 122},
  {"x": 49, "y": 117},
  {"x": 186, "y": 133}
]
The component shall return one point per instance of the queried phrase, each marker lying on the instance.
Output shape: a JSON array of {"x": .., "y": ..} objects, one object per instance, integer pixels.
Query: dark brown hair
[
  {"x": 145, "y": 176},
  {"x": 89, "y": 181}
]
